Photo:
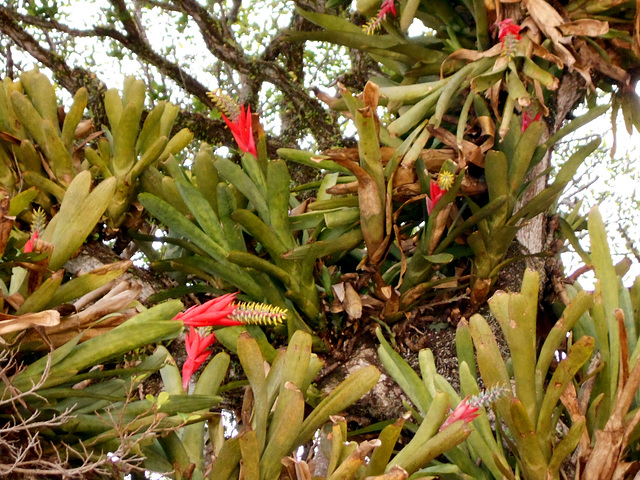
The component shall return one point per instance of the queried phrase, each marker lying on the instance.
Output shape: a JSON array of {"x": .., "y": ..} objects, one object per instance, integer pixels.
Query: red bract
[
  {"x": 28, "y": 247},
  {"x": 507, "y": 27},
  {"x": 464, "y": 411},
  {"x": 242, "y": 130},
  {"x": 197, "y": 353},
  {"x": 388, "y": 6},
  {"x": 435, "y": 194},
  {"x": 211, "y": 314},
  {"x": 526, "y": 120}
]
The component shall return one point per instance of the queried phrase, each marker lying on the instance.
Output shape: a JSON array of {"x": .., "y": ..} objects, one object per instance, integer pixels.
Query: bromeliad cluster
[{"x": 223, "y": 311}]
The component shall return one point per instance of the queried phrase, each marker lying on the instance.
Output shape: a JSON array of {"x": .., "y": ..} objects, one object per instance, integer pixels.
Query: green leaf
[
  {"x": 404, "y": 375},
  {"x": 440, "y": 258}
]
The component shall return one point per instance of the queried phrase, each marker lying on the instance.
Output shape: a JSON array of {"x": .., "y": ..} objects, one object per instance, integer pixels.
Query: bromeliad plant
[
  {"x": 225, "y": 199},
  {"x": 587, "y": 403},
  {"x": 529, "y": 398},
  {"x": 272, "y": 423},
  {"x": 613, "y": 377},
  {"x": 223, "y": 311},
  {"x": 125, "y": 151}
]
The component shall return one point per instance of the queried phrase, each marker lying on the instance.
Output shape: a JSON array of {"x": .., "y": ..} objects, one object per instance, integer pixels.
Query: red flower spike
[
  {"x": 242, "y": 130},
  {"x": 212, "y": 313},
  {"x": 197, "y": 353},
  {"x": 526, "y": 120},
  {"x": 507, "y": 27},
  {"x": 388, "y": 6},
  {"x": 464, "y": 411},
  {"x": 435, "y": 194},
  {"x": 28, "y": 247}
]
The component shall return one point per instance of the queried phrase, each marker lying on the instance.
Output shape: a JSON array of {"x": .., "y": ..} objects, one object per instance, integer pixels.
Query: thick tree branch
[
  {"x": 70, "y": 78},
  {"x": 73, "y": 78}
]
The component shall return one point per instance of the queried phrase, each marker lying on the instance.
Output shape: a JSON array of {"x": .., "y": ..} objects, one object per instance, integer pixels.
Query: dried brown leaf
[
  {"x": 585, "y": 26},
  {"x": 591, "y": 58},
  {"x": 471, "y": 55},
  {"x": 540, "y": 51},
  {"x": 339, "y": 290},
  {"x": 370, "y": 96},
  {"x": 548, "y": 20},
  {"x": 604, "y": 457},
  {"x": 403, "y": 176},
  {"x": 300, "y": 209},
  {"x": 6, "y": 223},
  {"x": 352, "y": 302},
  {"x": 480, "y": 290},
  {"x": 624, "y": 348},
  {"x": 396, "y": 473},
  {"x": 343, "y": 188},
  {"x": 438, "y": 229},
  {"x": 47, "y": 318},
  {"x": 371, "y": 211},
  {"x": 569, "y": 398},
  {"x": 636, "y": 30}
]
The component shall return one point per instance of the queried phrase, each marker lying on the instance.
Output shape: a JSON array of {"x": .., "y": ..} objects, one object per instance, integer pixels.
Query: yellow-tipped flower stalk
[{"x": 224, "y": 311}]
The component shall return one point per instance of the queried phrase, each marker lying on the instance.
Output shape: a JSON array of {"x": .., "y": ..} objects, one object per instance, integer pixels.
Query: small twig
[{"x": 571, "y": 279}]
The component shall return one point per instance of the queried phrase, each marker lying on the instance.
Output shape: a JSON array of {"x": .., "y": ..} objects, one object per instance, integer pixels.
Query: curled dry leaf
[
  {"x": 352, "y": 302},
  {"x": 471, "y": 55},
  {"x": 396, "y": 473},
  {"x": 370, "y": 96},
  {"x": 585, "y": 26},
  {"x": 298, "y": 469},
  {"x": 548, "y": 20},
  {"x": 441, "y": 222},
  {"x": 371, "y": 211},
  {"x": 12, "y": 323},
  {"x": 339, "y": 291}
]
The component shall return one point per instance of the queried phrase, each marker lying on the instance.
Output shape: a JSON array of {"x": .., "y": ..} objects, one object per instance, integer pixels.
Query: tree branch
[{"x": 72, "y": 79}]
